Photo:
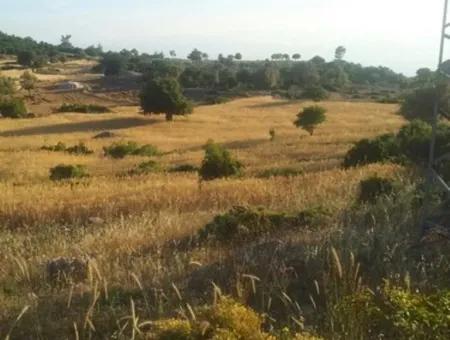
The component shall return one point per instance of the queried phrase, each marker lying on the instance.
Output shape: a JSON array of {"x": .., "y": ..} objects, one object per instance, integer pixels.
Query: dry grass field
[
  {"x": 128, "y": 226},
  {"x": 137, "y": 233}
]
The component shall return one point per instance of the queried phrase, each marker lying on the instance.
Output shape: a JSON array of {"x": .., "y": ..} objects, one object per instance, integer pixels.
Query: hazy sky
[{"x": 401, "y": 34}]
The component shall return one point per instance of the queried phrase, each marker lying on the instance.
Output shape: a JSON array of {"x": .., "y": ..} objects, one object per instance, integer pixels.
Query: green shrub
[
  {"x": 65, "y": 172},
  {"x": 145, "y": 168},
  {"x": 184, "y": 168},
  {"x": 123, "y": 149},
  {"x": 83, "y": 108},
  {"x": 242, "y": 223},
  {"x": 79, "y": 149},
  {"x": 7, "y": 86},
  {"x": 218, "y": 163},
  {"x": 374, "y": 187},
  {"x": 280, "y": 172},
  {"x": 380, "y": 149},
  {"x": 315, "y": 93},
  {"x": 310, "y": 117},
  {"x": 13, "y": 108}
]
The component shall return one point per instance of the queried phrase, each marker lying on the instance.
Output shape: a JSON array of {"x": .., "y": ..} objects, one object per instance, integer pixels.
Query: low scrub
[
  {"x": 218, "y": 163},
  {"x": 123, "y": 149},
  {"x": 410, "y": 144},
  {"x": 83, "y": 108},
  {"x": 315, "y": 93},
  {"x": 145, "y": 168},
  {"x": 242, "y": 223},
  {"x": 13, "y": 108},
  {"x": 79, "y": 149},
  {"x": 280, "y": 172},
  {"x": 373, "y": 188},
  {"x": 67, "y": 172},
  {"x": 184, "y": 168}
]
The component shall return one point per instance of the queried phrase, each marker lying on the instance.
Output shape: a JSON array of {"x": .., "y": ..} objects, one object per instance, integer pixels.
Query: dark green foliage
[
  {"x": 419, "y": 104},
  {"x": 280, "y": 172},
  {"x": 245, "y": 223},
  {"x": 83, "y": 108},
  {"x": 7, "y": 86},
  {"x": 184, "y": 168},
  {"x": 164, "y": 96},
  {"x": 113, "y": 64},
  {"x": 145, "y": 168},
  {"x": 310, "y": 117},
  {"x": 65, "y": 172},
  {"x": 218, "y": 163},
  {"x": 380, "y": 149},
  {"x": 13, "y": 108},
  {"x": 375, "y": 187},
  {"x": 79, "y": 149},
  {"x": 26, "y": 58},
  {"x": 316, "y": 93},
  {"x": 123, "y": 149}
]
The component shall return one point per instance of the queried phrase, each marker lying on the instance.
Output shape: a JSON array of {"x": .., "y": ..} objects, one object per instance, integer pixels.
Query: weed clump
[
  {"x": 218, "y": 163},
  {"x": 122, "y": 149},
  {"x": 65, "y": 172},
  {"x": 79, "y": 149},
  {"x": 184, "y": 168}
]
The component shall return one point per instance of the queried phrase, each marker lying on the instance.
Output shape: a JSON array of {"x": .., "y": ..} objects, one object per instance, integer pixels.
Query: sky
[{"x": 400, "y": 34}]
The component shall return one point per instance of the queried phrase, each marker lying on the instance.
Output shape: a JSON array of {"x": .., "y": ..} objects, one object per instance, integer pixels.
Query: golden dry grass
[{"x": 144, "y": 213}]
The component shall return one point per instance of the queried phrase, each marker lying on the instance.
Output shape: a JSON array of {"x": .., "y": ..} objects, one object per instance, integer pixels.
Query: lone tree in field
[
  {"x": 310, "y": 118},
  {"x": 28, "y": 81},
  {"x": 340, "y": 52},
  {"x": 218, "y": 163},
  {"x": 296, "y": 56},
  {"x": 164, "y": 96}
]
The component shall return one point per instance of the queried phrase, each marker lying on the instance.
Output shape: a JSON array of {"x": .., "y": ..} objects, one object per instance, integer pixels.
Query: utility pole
[{"x": 433, "y": 177}]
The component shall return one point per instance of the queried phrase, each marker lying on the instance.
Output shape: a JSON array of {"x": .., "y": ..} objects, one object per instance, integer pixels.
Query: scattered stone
[
  {"x": 67, "y": 269},
  {"x": 105, "y": 134}
]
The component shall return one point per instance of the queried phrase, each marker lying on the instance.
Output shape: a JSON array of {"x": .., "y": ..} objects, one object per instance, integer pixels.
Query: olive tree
[
  {"x": 310, "y": 118},
  {"x": 164, "y": 96}
]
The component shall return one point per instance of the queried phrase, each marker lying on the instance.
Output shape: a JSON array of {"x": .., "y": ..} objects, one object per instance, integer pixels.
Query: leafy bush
[
  {"x": 218, "y": 163},
  {"x": 242, "y": 223},
  {"x": 65, "y": 172},
  {"x": 123, "y": 149},
  {"x": 310, "y": 117},
  {"x": 374, "y": 187},
  {"x": 280, "y": 172},
  {"x": 83, "y": 108},
  {"x": 184, "y": 168},
  {"x": 380, "y": 149},
  {"x": 7, "y": 86},
  {"x": 13, "y": 108},
  {"x": 145, "y": 168},
  {"x": 316, "y": 93}
]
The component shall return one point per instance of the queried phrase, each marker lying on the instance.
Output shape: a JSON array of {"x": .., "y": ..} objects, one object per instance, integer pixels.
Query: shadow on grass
[
  {"x": 110, "y": 124},
  {"x": 274, "y": 104}
]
